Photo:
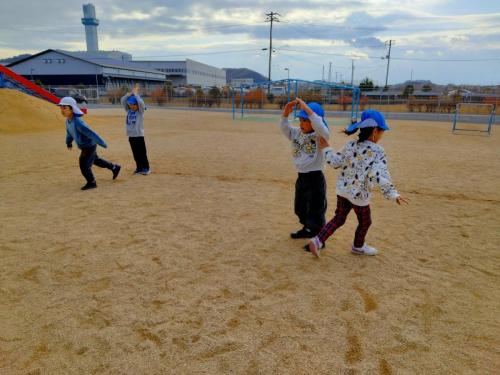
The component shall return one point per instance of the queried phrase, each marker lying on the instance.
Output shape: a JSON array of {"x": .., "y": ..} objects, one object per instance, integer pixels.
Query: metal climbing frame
[{"x": 293, "y": 82}]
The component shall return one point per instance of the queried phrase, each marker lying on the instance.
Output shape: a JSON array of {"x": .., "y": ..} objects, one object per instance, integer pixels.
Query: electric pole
[
  {"x": 271, "y": 17},
  {"x": 330, "y": 73},
  {"x": 388, "y": 57},
  {"x": 352, "y": 72},
  {"x": 323, "y": 74}
]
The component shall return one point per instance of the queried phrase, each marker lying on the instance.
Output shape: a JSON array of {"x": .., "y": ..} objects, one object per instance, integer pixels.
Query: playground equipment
[
  {"x": 290, "y": 88},
  {"x": 9, "y": 79},
  {"x": 485, "y": 111}
]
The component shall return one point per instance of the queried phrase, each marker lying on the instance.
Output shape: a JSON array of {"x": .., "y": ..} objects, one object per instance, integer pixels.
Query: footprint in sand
[
  {"x": 384, "y": 367},
  {"x": 369, "y": 302},
  {"x": 219, "y": 350}
]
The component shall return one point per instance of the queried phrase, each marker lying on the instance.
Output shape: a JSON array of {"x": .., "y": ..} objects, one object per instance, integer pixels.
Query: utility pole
[
  {"x": 388, "y": 57},
  {"x": 352, "y": 72},
  {"x": 336, "y": 75},
  {"x": 323, "y": 74},
  {"x": 271, "y": 17},
  {"x": 330, "y": 73}
]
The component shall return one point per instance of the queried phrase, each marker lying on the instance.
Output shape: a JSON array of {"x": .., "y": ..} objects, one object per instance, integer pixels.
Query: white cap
[{"x": 68, "y": 100}]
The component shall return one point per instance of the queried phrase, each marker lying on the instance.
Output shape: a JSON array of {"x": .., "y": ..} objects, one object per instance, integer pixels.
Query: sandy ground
[{"x": 191, "y": 270}]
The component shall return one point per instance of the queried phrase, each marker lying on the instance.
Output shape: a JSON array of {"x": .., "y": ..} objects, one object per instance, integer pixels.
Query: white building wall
[{"x": 199, "y": 74}]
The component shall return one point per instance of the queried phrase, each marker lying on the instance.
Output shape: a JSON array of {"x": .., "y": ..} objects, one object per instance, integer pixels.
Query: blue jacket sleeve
[
  {"x": 69, "y": 139},
  {"x": 85, "y": 130}
]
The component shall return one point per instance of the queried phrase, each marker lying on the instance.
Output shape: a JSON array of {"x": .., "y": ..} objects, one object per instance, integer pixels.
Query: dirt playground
[{"x": 191, "y": 270}]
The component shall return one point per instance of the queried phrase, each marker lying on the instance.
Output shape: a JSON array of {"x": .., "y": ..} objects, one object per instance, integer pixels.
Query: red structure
[{"x": 27, "y": 85}]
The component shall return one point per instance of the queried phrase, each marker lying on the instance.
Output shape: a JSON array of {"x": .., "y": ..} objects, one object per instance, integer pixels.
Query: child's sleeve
[
  {"x": 289, "y": 131},
  {"x": 319, "y": 126},
  {"x": 69, "y": 139},
  {"x": 140, "y": 103},
  {"x": 85, "y": 130},
  {"x": 123, "y": 102},
  {"x": 381, "y": 177},
  {"x": 335, "y": 159}
]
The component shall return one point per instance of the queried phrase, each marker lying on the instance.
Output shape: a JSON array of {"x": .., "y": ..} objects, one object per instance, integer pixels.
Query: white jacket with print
[{"x": 363, "y": 166}]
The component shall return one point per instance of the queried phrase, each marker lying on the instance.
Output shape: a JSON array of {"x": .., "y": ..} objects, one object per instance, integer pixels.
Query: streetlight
[{"x": 288, "y": 73}]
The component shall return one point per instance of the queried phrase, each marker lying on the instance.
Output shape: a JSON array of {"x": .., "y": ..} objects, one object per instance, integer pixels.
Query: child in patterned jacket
[{"x": 364, "y": 165}]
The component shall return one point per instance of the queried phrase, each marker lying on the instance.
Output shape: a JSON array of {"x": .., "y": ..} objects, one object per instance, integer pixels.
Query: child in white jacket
[{"x": 363, "y": 165}]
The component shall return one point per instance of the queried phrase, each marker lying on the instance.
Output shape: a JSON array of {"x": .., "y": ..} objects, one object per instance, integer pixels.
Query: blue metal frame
[
  {"x": 356, "y": 93},
  {"x": 491, "y": 120}
]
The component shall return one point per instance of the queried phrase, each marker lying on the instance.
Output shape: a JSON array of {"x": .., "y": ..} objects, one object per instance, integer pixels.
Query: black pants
[
  {"x": 88, "y": 157},
  {"x": 139, "y": 151},
  {"x": 310, "y": 200}
]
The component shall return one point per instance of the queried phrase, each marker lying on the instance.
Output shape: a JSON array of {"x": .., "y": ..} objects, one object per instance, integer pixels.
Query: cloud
[{"x": 163, "y": 27}]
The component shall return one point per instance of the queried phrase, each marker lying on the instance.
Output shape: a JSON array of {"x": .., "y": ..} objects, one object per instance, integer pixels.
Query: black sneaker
[
  {"x": 116, "y": 171},
  {"x": 89, "y": 185},
  {"x": 303, "y": 233}
]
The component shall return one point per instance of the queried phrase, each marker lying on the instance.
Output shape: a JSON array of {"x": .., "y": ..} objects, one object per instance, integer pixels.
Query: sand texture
[{"x": 191, "y": 270}]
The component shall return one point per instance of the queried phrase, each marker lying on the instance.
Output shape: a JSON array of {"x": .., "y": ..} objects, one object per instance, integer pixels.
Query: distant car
[{"x": 81, "y": 100}]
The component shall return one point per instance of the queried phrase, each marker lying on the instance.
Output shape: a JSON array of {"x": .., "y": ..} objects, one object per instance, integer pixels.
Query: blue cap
[
  {"x": 369, "y": 119},
  {"x": 316, "y": 108},
  {"x": 132, "y": 100}
]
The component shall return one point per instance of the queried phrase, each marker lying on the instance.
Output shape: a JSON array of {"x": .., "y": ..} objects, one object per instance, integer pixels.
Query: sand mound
[{"x": 20, "y": 112}]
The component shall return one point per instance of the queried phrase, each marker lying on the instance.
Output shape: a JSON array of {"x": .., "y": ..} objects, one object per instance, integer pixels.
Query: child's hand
[
  {"x": 300, "y": 103},
  {"x": 323, "y": 143},
  {"x": 400, "y": 199},
  {"x": 289, "y": 108},
  {"x": 135, "y": 91}
]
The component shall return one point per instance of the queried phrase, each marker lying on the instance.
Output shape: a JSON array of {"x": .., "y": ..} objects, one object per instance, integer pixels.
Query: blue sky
[{"x": 311, "y": 34}]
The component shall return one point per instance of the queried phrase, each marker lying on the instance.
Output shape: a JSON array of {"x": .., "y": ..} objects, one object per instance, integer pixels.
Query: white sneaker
[
  {"x": 315, "y": 246},
  {"x": 364, "y": 250}
]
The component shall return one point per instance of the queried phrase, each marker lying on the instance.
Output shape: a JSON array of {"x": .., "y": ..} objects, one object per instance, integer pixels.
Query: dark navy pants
[
  {"x": 138, "y": 147},
  {"x": 88, "y": 158},
  {"x": 310, "y": 200}
]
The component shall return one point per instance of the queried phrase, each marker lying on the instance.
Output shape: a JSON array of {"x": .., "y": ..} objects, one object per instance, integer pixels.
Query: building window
[
  {"x": 47, "y": 61},
  {"x": 61, "y": 61}
]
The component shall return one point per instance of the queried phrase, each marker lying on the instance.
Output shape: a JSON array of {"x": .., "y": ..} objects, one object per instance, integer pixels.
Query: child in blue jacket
[{"x": 86, "y": 140}]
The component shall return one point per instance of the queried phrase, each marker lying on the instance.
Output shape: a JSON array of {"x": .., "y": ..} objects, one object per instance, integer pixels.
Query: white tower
[{"x": 90, "y": 23}]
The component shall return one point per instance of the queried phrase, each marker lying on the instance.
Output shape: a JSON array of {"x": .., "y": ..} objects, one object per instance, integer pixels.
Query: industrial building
[
  {"x": 64, "y": 68},
  {"x": 186, "y": 72}
]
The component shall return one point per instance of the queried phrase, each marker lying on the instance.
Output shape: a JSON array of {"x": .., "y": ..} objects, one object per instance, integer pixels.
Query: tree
[
  {"x": 427, "y": 88},
  {"x": 409, "y": 89},
  {"x": 366, "y": 84},
  {"x": 215, "y": 95},
  {"x": 159, "y": 95}
]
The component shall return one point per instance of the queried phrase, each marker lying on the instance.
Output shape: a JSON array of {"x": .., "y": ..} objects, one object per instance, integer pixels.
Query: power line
[
  {"x": 350, "y": 55},
  {"x": 203, "y": 53}
]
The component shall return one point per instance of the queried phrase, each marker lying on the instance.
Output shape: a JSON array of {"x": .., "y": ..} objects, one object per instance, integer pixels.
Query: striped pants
[{"x": 344, "y": 206}]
